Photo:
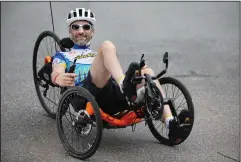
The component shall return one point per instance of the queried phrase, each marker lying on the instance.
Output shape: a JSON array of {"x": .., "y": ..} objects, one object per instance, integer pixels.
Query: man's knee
[
  {"x": 107, "y": 46},
  {"x": 147, "y": 70}
]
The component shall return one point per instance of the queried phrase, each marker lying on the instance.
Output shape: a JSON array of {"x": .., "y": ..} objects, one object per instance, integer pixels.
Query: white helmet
[{"x": 81, "y": 14}]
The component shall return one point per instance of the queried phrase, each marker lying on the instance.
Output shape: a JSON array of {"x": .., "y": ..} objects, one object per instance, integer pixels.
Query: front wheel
[
  {"x": 80, "y": 132},
  {"x": 181, "y": 98}
]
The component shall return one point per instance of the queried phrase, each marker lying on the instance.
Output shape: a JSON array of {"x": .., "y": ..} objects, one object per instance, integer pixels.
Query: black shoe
[
  {"x": 178, "y": 133},
  {"x": 129, "y": 87}
]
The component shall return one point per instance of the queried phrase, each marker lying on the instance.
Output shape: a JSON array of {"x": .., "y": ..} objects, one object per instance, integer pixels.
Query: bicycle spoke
[
  {"x": 41, "y": 65},
  {"x": 72, "y": 135},
  {"x": 167, "y": 91},
  {"x": 51, "y": 43},
  {"x": 68, "y": 127},
  {"x": 50, "y": 96},
  {"x": 68, "y": 119},
  {"x": 59, "y": 94},
  {"x": 177, "y": 96},
  {"x": 155, "y": 123},
  {"x": 40, "y": 58},
  {"x": 76, "y": 143},
  {"x": 65, "y": 108},
  {"x": 55, "y": 45},
  {"x": 159, "y": 125},
  {"x": 80, "y": 142},
  {"x": 68, "y": 130},
  {"x": 174, "y": 92},
  {"x": 44, "y": 52},
  {"x": 68, "y": 133},
  {"x": 183, "y": 104},
  {"x": 180, "y": 103},
  {"x": 68, "y": 123},
  {"x": 70, "y": 114},
  {"x": 54, "y": 97},
  {"x": 50, "y": 101},
  {"x": 41, "y": 62},
  {"x": 49, "y": 47},
  {"x": 46, "y": 45},
  {"x": 163, "y": 126}
]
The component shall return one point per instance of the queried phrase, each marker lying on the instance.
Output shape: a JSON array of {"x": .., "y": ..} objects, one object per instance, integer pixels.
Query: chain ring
[{"x": 153, "y": 102}]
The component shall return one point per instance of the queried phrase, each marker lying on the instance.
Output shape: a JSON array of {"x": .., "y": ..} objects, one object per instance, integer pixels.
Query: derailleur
[{"x": 44, "y": 85}]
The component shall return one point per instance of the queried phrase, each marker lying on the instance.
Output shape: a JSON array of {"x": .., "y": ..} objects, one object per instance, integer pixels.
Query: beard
[{"x": 79, "y": 39}]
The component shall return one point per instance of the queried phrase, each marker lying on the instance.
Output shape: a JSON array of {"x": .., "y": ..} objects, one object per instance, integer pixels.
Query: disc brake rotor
[{"x": 83, "y": 128}]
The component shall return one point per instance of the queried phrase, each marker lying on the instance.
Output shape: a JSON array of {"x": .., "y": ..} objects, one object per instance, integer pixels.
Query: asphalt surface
[{"x": 202, "y": 41}]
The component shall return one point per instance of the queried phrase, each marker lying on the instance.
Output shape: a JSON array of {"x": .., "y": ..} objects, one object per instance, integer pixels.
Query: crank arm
[{"x": 185, "y": 125}]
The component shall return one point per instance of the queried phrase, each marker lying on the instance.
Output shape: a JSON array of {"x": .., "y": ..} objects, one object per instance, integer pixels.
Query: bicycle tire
[
  {"x": 185, "y": 92},
  {"x": 66, "y": 95}
]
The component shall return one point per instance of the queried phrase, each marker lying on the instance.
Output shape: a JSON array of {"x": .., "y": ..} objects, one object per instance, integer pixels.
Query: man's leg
[{"x": 105, "y": 65}]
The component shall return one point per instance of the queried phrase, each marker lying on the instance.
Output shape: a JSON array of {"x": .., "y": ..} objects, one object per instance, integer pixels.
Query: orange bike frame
[{"x": 126, "y": 120}]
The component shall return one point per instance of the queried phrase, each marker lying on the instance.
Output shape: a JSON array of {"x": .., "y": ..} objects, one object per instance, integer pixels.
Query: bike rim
[{"x": 76, "y": 136}]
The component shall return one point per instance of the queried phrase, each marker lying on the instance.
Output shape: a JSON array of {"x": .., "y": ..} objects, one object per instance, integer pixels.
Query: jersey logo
[{"x": 85, "y": 55}]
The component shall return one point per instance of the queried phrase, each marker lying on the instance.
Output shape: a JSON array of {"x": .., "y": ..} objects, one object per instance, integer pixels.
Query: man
[{"x": 100, "y": 72}]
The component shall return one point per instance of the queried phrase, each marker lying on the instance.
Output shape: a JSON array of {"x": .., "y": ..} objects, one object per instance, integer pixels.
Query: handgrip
[
  {"x": 72, "y": 68},
  {"x": 142, "y": 61}
]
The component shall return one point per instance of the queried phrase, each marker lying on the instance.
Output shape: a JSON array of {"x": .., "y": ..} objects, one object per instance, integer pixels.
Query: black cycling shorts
[{"x": 109, "y": 98}]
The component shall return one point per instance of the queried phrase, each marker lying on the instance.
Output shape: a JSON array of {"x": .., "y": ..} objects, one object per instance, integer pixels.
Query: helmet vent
[
  {"x": 80, "y": 13},
  {"x": 69, "y": 16},
  {"x": 75, "y": 15},
  {"x": 86, "y": 13}
]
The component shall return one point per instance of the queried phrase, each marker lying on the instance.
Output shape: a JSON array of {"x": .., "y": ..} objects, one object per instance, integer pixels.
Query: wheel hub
[{"x": 80, "y": 123}]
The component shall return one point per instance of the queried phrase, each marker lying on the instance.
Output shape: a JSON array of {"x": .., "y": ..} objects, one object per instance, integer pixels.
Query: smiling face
[{"x": 81, "y": 32}]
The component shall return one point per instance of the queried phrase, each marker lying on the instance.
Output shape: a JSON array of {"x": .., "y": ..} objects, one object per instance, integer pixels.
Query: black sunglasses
[{"x": 77, "y": 26}]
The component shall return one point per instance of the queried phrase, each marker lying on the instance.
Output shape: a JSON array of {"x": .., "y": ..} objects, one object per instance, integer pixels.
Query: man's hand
[{"x": 65, "y": 79}]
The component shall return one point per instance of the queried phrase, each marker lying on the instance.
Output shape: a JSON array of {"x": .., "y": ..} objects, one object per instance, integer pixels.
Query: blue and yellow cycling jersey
[{"x": 84, "y": 56}]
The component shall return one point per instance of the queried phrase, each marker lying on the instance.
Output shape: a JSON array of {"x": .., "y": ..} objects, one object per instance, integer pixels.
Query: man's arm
[
  {"x": 62, "y": 79},
  {"x": 57, "y": 70}
]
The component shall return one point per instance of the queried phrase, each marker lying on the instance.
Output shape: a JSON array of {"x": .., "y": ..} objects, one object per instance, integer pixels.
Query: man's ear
[{"x": 92, "y": 34}]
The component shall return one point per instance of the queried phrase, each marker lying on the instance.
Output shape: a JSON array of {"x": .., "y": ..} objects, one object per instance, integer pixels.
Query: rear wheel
[
  {"x": 181, "y": 98},
  {"x": 46, "y": 45}
]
